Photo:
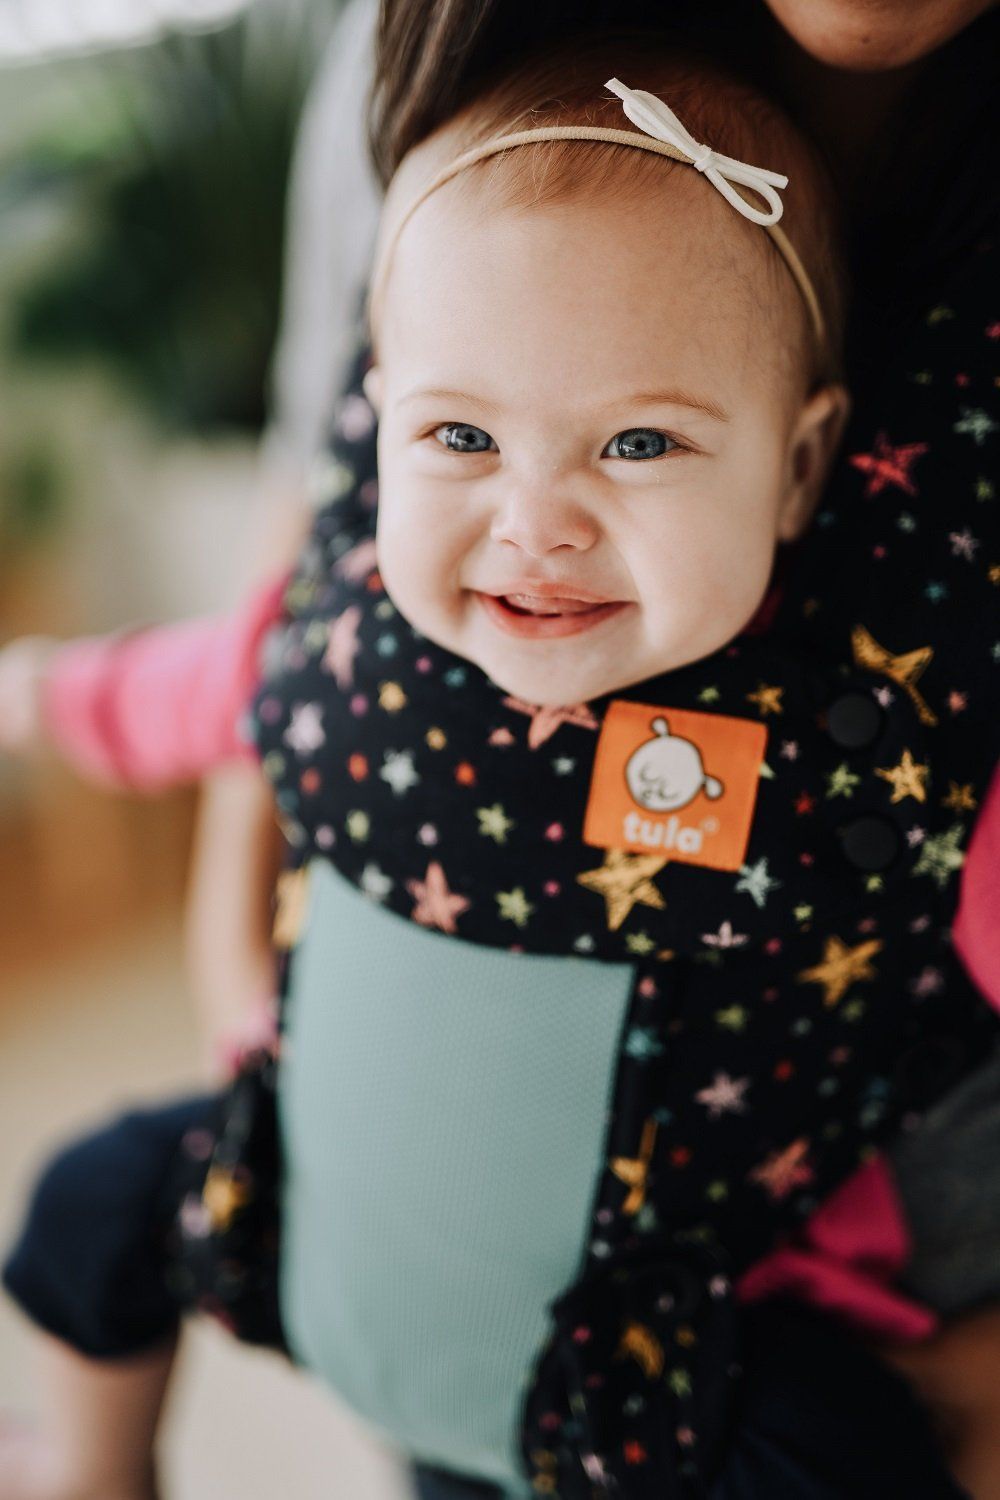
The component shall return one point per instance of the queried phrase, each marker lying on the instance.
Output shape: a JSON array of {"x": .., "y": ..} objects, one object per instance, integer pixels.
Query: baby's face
[{"x": 590, "y": 436}]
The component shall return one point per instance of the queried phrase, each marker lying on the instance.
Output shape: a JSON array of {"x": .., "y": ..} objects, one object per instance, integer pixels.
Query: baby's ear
[
  {"x": 372, "y": 387},
  {"x": 814, "y": 441}
]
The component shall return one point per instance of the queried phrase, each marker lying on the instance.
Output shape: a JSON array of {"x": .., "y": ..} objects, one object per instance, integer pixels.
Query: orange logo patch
[{"x": 681, "y": 783}]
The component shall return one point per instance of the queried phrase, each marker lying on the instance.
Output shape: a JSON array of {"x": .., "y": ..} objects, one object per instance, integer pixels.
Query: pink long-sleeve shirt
[{"x": 150, "y": 708}]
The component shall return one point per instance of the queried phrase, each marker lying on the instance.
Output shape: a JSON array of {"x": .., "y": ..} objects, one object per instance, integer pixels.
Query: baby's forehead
[
  {"x": 643, "y": 197},
  {"x": 683, "y": 241}
]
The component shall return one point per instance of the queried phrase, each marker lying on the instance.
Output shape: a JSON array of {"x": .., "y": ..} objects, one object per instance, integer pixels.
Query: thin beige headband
[{"x": 666, "y": 136}]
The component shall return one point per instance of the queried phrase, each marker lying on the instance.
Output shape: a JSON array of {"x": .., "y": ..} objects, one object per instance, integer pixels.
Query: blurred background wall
[
  {"x": 142, "y": 204},
  {"x": 145, "y": 154}
]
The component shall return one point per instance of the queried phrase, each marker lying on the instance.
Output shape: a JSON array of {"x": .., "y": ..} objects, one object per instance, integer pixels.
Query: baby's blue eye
[
  {"x": 639, "y": 442},
  {"x": 462, "y": 437}
]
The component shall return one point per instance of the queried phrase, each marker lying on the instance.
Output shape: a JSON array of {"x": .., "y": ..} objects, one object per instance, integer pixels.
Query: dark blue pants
[
  {"x": 90, "y": 1265},
  {"x": 819, "y": 1418}
]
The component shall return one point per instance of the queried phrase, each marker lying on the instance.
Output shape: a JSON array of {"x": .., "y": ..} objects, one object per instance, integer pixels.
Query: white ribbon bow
[{"x": 654, "y": 118}]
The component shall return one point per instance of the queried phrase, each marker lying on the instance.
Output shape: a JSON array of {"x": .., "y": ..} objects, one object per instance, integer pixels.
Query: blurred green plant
[
  {"x": 167, "y": 215},
  {"x": 33, "y": 487}
]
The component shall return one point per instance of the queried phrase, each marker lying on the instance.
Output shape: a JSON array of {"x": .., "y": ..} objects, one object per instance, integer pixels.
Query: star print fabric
[{"x": 785, "y": 1015}]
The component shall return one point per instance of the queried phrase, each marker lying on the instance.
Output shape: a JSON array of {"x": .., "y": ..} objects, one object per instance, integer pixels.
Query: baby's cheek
[{"x": 412, "y": 578}]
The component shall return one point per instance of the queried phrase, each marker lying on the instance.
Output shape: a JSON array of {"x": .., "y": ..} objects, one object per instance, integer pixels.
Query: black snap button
[
  {"x": 870, "y": 843},
  {"x": 853, "y": 720}
]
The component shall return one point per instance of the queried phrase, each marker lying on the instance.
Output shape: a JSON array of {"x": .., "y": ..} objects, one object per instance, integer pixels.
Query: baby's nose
[{"x": 540, "y": 516}]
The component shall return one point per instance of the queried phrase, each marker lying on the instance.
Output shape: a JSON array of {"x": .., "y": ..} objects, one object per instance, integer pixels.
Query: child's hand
[
  {"x": 955, "y": 1375},
  {"x": 23, "y": 666}
]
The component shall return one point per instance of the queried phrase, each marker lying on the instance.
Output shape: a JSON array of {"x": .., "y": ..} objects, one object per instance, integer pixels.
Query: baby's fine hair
[{"x": 565, "y": 85}]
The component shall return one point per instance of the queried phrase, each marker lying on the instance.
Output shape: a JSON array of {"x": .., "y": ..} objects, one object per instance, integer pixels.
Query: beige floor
[{"x": 76, "y": 1041}]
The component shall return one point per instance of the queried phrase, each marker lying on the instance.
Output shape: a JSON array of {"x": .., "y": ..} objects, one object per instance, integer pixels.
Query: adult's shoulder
[
  {"x": 905, "y": 548},
  {"x": 926, "y": 229}
]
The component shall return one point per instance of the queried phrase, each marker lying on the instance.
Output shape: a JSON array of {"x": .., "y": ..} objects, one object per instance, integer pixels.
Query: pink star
[
  {"x": 957, "y": 702},
  {"x": 783, "y": 1171},
  {"x": 358, "y": 563},
  {"x": 725, "y": 937},
  {"x": 546, "y": 720},
  {"x": 355, "y": 418},
  {"x": 342, "y": 646},
  {"x": 554, "y": 832},
  {"x": 305, "y": 732},
  {"x": 888, "y": 465},
  {"x": 501, "y": 737},
  {"x": 927, "y": 982},
  {"x": 789, "y": 750},
  {"x": 963, "y": 544},
  {"x": 436, "y": 905},
  {"x": 724, "y": 1096}
]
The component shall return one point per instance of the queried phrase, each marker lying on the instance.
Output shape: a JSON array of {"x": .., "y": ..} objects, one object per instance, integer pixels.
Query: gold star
[
  {"x": 436, "y": 738},
  {"x": 634, "y": 1170},
  {"x": 290, "y": 894},
  {"x": 391, "y": 697},
  {"x": 960, "y": 798},
  {"x": 222, "y": 1196},
  {"x": 436, "y": 905},
  {"x": 767, "y": 699},
  {"x": 641, "y": 1344},
  {"x": 908, "y": 779},
  {"x": 840, "y": 967},
  {"x": 905, "y": 669},
  {"x": 545, "y": 721},
  {"x": 622, "y": 880}
]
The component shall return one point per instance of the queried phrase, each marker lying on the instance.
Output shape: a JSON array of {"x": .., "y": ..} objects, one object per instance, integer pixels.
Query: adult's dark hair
[
  {"x": 430, "y": 55},
  {"x": 932, "y": 189}
]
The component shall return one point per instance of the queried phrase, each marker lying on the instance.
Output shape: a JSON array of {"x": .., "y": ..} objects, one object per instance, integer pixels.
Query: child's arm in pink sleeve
[
  {"x": 158, "y": 706},
  {"x": 848, "y": 1255},
  {"x": 976, "y": 933}
]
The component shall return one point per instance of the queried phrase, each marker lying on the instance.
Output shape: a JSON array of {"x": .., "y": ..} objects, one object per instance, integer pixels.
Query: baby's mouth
[
  {"x": 547, "y": 617},
  {"x": 533, "y": 604}
]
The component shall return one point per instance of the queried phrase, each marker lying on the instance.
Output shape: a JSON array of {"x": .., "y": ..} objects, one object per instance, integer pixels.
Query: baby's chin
[{"x": 554, "y": 683}]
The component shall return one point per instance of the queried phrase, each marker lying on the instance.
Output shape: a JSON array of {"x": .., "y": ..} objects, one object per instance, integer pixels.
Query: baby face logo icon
[
  {"x": 675, "y": 781},
  {"x": 666, "y": 773}
]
